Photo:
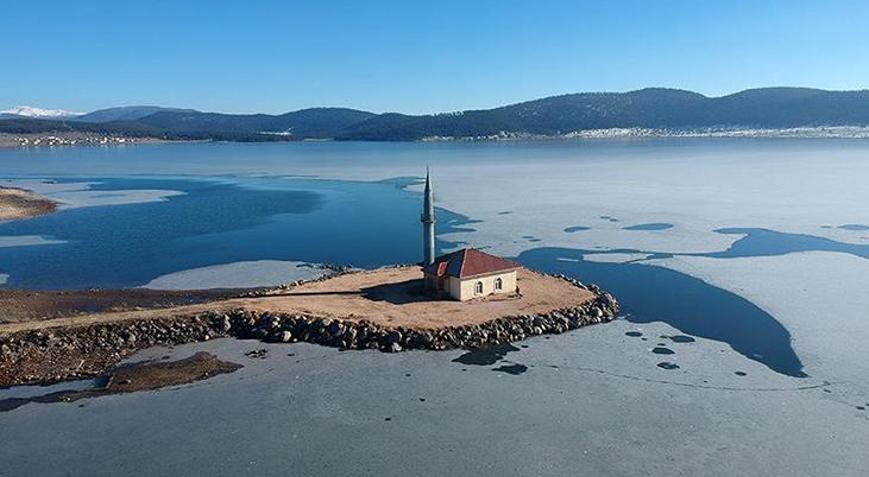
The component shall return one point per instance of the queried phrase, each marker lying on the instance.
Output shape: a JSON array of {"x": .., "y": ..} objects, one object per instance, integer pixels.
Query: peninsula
[
  {"x": 383, "y": 309},
  {"x": 464, "y": 299}
]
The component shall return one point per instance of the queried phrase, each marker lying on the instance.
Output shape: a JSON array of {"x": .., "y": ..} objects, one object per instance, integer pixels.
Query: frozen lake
[{"x": 741, "y": 265}]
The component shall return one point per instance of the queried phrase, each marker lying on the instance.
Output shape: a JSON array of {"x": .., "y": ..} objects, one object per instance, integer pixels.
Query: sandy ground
[
  {"x": 388, "y": 297},
  {"x": 392, "y": 297},
  {"x": 22, "y": 204}
]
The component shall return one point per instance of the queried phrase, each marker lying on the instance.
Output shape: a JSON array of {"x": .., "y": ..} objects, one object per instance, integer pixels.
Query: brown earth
[
  {"x": 18, "y": 306},
  {"x": 18, "y": 204}
]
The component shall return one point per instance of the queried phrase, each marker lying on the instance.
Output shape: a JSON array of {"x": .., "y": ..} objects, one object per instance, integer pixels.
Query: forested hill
[
  {"x": 305, "y": 123},
  {"x": 653, "y": 108},
  {"x": 647, "y": 108}
]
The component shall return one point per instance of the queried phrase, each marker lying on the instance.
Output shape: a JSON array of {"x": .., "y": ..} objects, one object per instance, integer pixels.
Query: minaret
[{"x": 428, "y": 223}]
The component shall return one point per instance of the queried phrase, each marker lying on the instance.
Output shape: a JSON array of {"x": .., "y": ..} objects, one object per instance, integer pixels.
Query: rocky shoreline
[{"x": 60, "y": 354}]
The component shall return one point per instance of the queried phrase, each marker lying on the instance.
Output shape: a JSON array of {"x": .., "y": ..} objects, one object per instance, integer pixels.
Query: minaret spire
[{"x": 428, "y": 222}]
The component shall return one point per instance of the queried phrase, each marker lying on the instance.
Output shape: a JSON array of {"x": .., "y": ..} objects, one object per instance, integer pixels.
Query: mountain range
[{"x": 653, "y": 108}]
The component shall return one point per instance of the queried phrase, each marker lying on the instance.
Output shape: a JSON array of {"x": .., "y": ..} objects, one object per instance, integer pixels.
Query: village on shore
[{"x": 56, "y": 139}]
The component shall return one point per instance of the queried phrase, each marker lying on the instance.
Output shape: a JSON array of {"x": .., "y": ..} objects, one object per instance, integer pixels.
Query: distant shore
[
  {"x": 831, "y": 132},
  {"x": 55, "y": 139},
  {"x": 17, "y": 204},
  {"x": 68, "y": 138}
]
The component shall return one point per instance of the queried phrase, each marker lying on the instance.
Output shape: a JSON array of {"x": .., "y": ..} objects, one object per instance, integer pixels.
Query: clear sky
[{"x": 413, "y": 56}]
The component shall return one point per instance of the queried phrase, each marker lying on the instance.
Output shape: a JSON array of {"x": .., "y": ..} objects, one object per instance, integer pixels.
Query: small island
[
  {"x": 16, "y": 204},
  {"x": 464, "y": 299}
]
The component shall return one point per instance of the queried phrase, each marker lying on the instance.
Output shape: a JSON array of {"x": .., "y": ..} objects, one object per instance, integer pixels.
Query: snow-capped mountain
[{"x": 33, "y": 112}]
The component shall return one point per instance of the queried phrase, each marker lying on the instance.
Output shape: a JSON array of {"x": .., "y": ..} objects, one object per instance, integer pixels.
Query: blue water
[
  {"x": 650, "y": 226},
  {"x": 763, "y": 242},
  {"x": 694, "y": 307},
  {"x": 349, "y": 223},
  {"x": 759, "y": 242}
]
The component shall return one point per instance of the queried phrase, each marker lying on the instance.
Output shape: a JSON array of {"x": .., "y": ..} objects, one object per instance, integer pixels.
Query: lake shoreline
[
  {"x": 64, "y": 139},
  {"x": 86, "y": 346}
]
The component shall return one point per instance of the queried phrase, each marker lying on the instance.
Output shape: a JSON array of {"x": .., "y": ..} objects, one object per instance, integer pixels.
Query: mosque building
[{"x": 464, "y": 274}]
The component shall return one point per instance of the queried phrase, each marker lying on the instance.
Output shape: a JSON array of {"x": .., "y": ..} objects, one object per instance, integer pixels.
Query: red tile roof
[{"x": 469, "y": 262}]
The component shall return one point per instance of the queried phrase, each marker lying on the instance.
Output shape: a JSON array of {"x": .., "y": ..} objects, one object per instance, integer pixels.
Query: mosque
[{"x": 464, "y": 274}]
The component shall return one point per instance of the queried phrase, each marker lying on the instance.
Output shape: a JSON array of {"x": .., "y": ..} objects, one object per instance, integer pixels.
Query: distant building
[{"x": 464, "y": 274}]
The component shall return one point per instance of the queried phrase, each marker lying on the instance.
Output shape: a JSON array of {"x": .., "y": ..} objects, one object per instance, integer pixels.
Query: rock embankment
[{"x": 83, "y": 351}]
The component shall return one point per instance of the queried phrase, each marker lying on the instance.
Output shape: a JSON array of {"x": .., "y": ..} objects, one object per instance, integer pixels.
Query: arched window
[
  {"x": 499, "y": 284},
  {"x": 478, "y": 288}
]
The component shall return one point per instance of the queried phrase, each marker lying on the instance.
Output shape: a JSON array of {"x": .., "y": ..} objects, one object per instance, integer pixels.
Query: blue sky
[{"x": 412, "y": 56}]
